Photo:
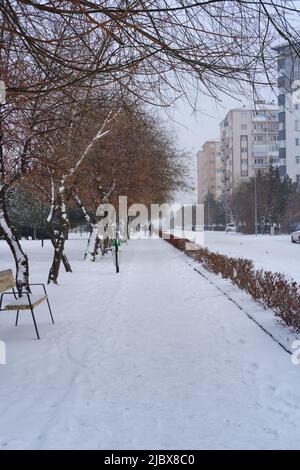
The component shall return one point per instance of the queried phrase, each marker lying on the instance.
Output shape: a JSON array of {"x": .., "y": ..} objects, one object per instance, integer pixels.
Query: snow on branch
[
  {"x": 109, "y": 191},
  {"x": 82, "y": 207},
  {"x": 100, "y": 134},
  {"x": 52, "y": 205}
]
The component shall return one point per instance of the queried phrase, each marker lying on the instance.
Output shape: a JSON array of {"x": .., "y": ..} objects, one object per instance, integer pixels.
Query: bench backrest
[{"x": 7, "y": 280}]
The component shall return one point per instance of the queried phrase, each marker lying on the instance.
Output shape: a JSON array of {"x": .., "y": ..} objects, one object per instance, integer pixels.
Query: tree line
[
  {"x": 277, "y": 204},
  {"x": 77, "y": 72}
]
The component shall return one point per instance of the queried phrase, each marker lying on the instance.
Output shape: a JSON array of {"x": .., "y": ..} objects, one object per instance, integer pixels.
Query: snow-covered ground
[
  {"x": 153, "y": 357},
  {"x": 273, "y": 253}
]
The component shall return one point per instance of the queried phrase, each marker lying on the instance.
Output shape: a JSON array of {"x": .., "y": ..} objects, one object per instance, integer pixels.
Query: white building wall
[{"x": 292, "y": 123}]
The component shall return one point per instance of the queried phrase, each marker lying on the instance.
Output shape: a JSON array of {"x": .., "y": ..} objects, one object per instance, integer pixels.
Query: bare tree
[
  {"x": 160, "y": 44},
  {"x": 140, "y": 160}
]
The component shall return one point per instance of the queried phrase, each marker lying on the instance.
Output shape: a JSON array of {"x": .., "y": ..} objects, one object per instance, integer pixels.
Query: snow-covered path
[{"x": 154, "y": 357}]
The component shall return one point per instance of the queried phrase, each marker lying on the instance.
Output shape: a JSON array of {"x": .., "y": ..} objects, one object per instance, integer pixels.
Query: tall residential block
[
  {"x": 289, "y": 111},
  {"x": 209, "y": 170},
  {"x": 249, "y": 143}
]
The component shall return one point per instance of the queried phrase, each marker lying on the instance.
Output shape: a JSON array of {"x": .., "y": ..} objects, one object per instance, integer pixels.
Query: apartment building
[
  {"x": 249, "y": 143},
  {"x": 210, "y": 170},
  {"x": 289, "y": 112}
]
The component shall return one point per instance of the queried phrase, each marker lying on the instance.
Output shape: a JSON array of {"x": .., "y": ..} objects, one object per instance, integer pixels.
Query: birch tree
[{"x": 69, "y": 164}]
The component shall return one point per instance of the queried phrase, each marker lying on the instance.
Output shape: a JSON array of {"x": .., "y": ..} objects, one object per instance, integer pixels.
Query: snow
[
  {"x": 155, "y": 357},
  {"x": 273, "y": 253}
]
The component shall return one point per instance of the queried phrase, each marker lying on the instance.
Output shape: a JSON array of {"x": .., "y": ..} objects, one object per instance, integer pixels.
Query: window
[
  {"x": 244, "y": 115},
  {"x": 244, "y": 126},
  {"x": 297, "y": 160},
  {"x": 297, "y": 140},
  {"x": 245, "y": 173},
  {"x": 259, "y": 138},
  {"x": 244, "y": 161},
  {"x": 258, "y": 126},
  {"x": 296, "y": 125},
  {"x": 297, "y": 107},
  {"x": 298, "y": 179},
  {"x": 281, "y": 126},
  {"x": 244, "y": 149},
  {"x": 259, "y": 114},
  {"x": 272, "y": 127}
]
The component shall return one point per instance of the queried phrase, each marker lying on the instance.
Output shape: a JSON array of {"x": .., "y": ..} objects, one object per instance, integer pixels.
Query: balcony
[
  {"x": 260, "y": 166},
  {"x": 264, "y": 150},
  {"x": 259, "y": 118}
]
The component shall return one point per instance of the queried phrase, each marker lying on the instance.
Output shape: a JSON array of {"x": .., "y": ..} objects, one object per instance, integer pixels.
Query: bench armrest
[
  {"x": 6, "y": 293},
  {"x": 39, "y": 284}
]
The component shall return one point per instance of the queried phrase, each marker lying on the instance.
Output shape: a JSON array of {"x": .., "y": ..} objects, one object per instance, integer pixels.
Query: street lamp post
[
  {"x": 255, "y": 202},
  {"x": 42, "y": 225}
]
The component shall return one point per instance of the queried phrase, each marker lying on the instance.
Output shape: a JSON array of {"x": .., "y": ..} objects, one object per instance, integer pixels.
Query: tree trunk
[
  {"x": 59, "y": 243},
  {"x": 57, "y": 258},
  {"x": 92, "y": 246},
  {"x": 21, "y": 259},
  {"x": 64, "y": 258},
  {"x": 91, "y": 250}
]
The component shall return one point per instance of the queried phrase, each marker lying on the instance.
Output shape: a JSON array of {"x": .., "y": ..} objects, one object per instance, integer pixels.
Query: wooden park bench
[{"x": 26, "y": 302}]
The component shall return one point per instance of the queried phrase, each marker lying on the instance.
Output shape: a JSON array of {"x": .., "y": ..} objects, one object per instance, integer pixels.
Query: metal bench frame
[{"x": 30, "y": 305}]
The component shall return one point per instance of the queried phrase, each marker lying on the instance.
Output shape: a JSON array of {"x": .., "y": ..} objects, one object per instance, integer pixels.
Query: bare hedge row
[{"x": 271, "y": 290}]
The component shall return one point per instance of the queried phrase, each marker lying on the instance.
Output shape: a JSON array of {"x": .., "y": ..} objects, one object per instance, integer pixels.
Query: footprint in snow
[{"x": 254, "y": 365}]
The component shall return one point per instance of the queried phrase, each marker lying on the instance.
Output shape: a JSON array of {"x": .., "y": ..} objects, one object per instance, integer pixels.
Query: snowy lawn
[
  {"x": 272, "y": 253},
  {"x": 154, "y": 357}
]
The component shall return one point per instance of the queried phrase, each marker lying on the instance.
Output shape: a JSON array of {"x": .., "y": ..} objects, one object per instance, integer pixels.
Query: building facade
[
  {"x": 289, "y": 112},
  {"x": 209, "y": 169},
  {"x": 249, "y": 143}
]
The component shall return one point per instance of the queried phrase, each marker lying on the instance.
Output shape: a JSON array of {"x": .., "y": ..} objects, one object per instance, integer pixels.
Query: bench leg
[
  {"x": 35, "y": 326},
  {"x": 17, "y": 318},
  {"x": 50, "y": 311}
]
